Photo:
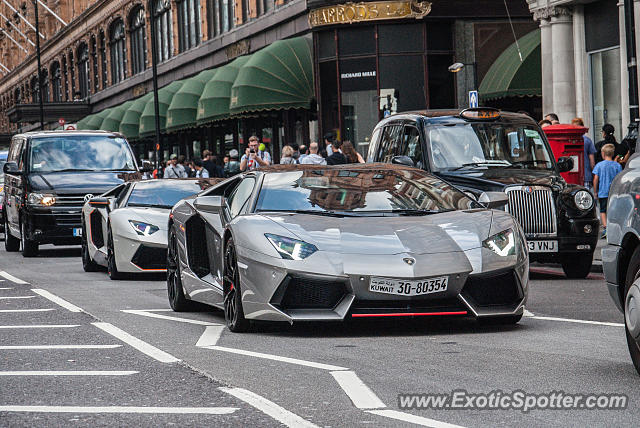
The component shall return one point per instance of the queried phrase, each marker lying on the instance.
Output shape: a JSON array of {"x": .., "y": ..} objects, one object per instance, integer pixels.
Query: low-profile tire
[
  {"x": 11, "y": 243},
  {"x": 112, "y": 268},
  {"x": 233, "y": 312},
  {"x": 632, "y": 306},
  {"x": 28, "y": 247},
  {"x": 577, "y": 267},
  {"x": 87, "y": 264},
  {"x": 500, "y": 320},
  {"x": 177, "y": 299}
]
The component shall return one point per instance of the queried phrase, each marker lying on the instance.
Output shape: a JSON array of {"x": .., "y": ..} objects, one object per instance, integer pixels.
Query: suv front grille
[
  {"x": 534, "y": 208},
  {"x": 70, "y": 200}
]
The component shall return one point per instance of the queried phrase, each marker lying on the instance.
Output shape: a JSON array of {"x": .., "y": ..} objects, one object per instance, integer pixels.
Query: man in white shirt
[
  {"x": 253, "y": 157},
  {"x": 174, "y": 170}
]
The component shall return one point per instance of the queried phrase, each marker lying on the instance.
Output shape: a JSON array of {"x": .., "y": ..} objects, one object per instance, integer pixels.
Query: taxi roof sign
[{"x": 481, "y": 113}]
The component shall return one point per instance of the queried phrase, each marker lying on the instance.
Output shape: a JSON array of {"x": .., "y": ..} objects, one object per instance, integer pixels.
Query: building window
[
  {"x": 83, "y": 71},
  {"x": 188, "y": 24},
  {"x": 34, "y": 89},
  {"x": 94, "y": 64},
  {"x": 226, "y": 15},
  {"x": 137, "y": 40},
  {"x": 16, "y": 95},
  {"x": 162, "y": 15},
  {"x": 72, "y": 94},
  {"x": 117, "y": 51},
  {"x": 103, "y": 59},
  {"x": 56, "y": 82},
  {"x": 45, "y": 85},
  {"x": 65, "y": 80},
  {"x": 265, "y": 6}
]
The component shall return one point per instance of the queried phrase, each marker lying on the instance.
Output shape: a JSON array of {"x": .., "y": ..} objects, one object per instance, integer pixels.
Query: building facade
[
  {"x": 365, "y": 60},
  {"x": 584, "y": 61}
]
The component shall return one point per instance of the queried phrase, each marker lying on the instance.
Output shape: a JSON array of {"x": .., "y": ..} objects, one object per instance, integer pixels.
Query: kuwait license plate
[
  {"x": 403, "y": 287},
  {"x": 77, "y": 231},
  {"x": 543, "y": 246}
]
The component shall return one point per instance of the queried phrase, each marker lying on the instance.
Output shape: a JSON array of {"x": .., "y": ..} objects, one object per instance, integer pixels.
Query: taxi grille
[{"x": 534, "y": 209}]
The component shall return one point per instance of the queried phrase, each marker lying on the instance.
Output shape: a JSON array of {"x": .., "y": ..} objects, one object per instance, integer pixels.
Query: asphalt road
[{"x": 322, "y": 374}]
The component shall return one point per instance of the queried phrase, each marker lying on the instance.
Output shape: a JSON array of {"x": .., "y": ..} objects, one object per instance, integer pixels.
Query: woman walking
[
  {"x": 350, "y": 153},
  {"x": 287, "y": 156}
]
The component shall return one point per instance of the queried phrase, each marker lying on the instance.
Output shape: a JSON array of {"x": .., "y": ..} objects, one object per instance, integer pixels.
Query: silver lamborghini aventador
[
  {"x": 124, "y": 229},
  {"x": 318, "y": 243}
]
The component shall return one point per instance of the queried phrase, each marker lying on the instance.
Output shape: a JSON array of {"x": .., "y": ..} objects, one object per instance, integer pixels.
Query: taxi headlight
[
  {"x": 583, "y": 200},
  {"x": 40, "y": 199}
]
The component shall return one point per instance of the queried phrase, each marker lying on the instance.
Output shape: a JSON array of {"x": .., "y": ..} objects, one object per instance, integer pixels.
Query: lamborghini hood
[{"x": 431, "y": 234}]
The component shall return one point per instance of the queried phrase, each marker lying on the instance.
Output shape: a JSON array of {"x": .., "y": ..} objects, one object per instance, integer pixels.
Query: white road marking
[
  {"x": 527, "y": 313},
  {"x": 359, "y": 393},
  {"x": 12, "y": 278},
  {"x": 6, "y": 288},
  {"x": 269, "y": 408},
  {"x": 278, "y": 358},
  {"x": 14, "y": 347},
  {"x": 68, "y": 373},
  {"x": 136, "y": 343},
  {"x": 210, "y": 336},
  {"x": 407, "y": 417},
  {"x": 121, "y": 409},
  {"x": 147, "y": 313},
  {"x": 609, "y": 324},
  {"x": 57, "y": 300},
  {"x": 9, "y": 327},
  {"x": 25, "y": 310},
  {"x": 15, "y": 297}
]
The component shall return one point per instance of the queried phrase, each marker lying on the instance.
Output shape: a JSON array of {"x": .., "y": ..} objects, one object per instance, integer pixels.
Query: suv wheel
[
  {"x": 11, "y": 243},
  {"x": 29, "y": 247},
  {"x": 577, "y": 267}
]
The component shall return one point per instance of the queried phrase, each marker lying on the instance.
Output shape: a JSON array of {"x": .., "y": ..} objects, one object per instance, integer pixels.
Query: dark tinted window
[
  {"x": 411, "y": 145},
  {"x": 80, "y": 152},
  {"x": 398, "y": 38},
  {"x": 358, "y": 190},
  {"x": 389, "y": 143},
  {"x": 439, "y": 37},
  {"x": 326, "y": 44},
  {"x": 407, "y": 81},
  {"x": 357, "y": 41},
  {"x": 164, "y": 193},
  {"x": 441, "y": 88}
]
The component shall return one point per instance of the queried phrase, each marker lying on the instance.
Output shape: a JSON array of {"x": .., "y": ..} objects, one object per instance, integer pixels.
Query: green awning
[
  {"x": 214, "y": 102},
  {"x": 184, "y": 106},
  {"x": 147, "y": 118},
  {"x": 112, "y": 121},
  {"x": 130, "y": 123},
  {"x": 510, "y": 77},
  {"x": 95, "y": 120},
  {"x": 82, "y": 123},
  {"x": 277, "y": 77}
]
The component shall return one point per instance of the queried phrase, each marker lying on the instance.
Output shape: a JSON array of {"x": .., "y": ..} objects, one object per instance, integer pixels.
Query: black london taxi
[
  {"x": 482, "y": 149},
  {"x": 48, "y": 177}
]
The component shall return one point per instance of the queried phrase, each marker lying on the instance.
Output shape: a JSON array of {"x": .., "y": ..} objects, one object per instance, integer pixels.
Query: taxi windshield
[{"x": 487, "y": 145}]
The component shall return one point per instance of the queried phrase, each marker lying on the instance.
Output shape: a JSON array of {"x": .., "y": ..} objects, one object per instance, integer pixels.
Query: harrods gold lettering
[{"x": 349, "y": 13}]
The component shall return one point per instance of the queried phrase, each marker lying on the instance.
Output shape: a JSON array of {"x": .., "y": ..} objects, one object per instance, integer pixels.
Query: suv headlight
[
  {"x": 583, "y": 200},
  {"x": 503, "y": 243},
  {"x": 41, "y": 199},
  {"x": 289, "y": 248},
  {"x": 142, "y": 228}
]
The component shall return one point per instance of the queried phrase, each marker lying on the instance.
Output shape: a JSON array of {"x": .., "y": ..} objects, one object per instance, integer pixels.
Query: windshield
[
  {"x": 80, "y": 153},
  {"x": 163, "y": 194},
  {"x": 344, "y": 190},
  {"x": 487, "y": 145}
]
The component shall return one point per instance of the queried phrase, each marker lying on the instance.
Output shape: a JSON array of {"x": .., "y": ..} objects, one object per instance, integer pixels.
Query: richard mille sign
[{"x": 349, "y": 13}]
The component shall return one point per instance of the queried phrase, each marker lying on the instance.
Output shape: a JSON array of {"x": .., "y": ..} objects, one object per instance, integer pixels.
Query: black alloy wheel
[
  {"x": 631, "y": 305},
  {"x": 11, "y": 243},
  {"x": 112, "y": 268},
  {"x": 87, "y": 264},
  {"x": 177, "y": 299},
  {"x": 233, "y": 312},
  {"x": 29, "y": 247}
]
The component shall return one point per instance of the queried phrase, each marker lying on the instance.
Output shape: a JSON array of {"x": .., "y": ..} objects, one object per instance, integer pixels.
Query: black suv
[
  {"x": 48, "y": 177},
  {"x": 481, "y": 150}
]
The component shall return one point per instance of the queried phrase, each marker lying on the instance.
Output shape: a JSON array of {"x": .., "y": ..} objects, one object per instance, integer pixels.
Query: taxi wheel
[
  {"x": 631, "y": 306},
  {"x": 577, "y": 267},
  {"x": 11, "y": 243},
  {"x": 29, "y": 248}
]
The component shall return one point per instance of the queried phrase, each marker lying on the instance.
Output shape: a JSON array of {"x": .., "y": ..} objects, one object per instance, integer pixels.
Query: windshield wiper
[
  {"x": 414, "y": 212},
  {"x": 316, "y": 212},
  {"x": 70, "y": 170},
  {"x": 483, "y": 163},
  {"x": 527, "y": 162}
]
